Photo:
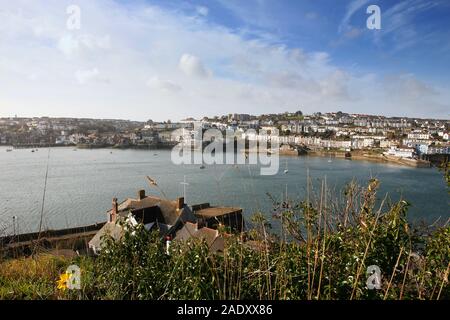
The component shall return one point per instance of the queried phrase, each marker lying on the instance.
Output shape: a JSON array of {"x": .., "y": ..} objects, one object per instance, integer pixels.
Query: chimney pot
[
  {"x": 141, "y": 194},
  {"x": 114, "y": 210},
  {"x": 180, "y": 203}
]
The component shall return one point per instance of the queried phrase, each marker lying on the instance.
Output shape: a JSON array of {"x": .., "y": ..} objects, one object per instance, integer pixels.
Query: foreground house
[{"x": 172, "y": 218}]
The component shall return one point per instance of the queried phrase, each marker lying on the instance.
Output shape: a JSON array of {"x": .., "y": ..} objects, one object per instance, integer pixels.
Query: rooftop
[
  {"x": 211, "y": 212},
  {"x": 164, "y": 208}
]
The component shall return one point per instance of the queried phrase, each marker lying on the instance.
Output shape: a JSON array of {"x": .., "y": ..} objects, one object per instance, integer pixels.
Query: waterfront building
[{"x": 400, "y": 152}]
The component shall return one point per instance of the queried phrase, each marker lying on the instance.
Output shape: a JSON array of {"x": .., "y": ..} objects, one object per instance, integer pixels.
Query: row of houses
[
  {"x": 358, "y": 142},
  {"x": 299, "y": 127}
]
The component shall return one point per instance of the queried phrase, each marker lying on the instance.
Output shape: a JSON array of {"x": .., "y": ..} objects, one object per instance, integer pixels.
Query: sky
[{"x": 167, "y": 59}]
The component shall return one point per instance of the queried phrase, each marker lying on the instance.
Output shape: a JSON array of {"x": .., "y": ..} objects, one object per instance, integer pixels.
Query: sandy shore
[{"x": 372, "y": 157}]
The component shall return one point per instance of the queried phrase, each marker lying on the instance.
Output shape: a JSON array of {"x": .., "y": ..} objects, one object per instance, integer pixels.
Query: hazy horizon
[{"x": 145, "y": 119}]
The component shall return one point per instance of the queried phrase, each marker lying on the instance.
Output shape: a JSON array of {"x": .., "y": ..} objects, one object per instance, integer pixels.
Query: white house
[
  {"x": 418, "y": 136},
  {"x": 400, "y": 152}
]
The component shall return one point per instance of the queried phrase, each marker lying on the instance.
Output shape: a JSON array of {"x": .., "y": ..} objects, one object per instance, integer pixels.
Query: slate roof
[
  {"x": 110, "y": 228},
  {"x": 212, "y": 212},
  {"x": 213, "y": 238},
  {"x": 167, "y": 209}
]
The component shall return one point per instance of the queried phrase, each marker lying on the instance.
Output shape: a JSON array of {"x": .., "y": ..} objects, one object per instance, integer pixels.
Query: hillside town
[{"x": 408, "y": 138}]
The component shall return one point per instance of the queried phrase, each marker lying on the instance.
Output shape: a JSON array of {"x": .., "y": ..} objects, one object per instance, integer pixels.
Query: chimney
[
  {"x": 113, "y": 215},
  {"x": 180, "y": 203},
  {"x": 141, "y": 194}
]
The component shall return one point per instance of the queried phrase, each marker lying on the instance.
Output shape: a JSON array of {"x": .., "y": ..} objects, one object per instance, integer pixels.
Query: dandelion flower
[{"x": 62, "y": 282}]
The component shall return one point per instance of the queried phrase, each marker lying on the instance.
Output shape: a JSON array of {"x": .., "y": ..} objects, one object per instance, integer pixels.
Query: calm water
[{"x": 82, "y": 183}]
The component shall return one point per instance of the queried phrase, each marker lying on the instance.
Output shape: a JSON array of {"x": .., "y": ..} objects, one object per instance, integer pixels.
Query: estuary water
[{"x": 81, "y": 184}]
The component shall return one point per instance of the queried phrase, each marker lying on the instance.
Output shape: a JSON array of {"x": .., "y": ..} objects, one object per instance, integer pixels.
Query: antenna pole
[{"x": 184, "y": 183}]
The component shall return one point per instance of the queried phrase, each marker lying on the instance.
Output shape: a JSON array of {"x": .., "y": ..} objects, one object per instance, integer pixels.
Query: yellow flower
[{"x": 62, "y": 282}]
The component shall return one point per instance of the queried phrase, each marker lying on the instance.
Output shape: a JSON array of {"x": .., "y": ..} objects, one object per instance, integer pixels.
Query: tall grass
[{"x": 31, "y": 278}]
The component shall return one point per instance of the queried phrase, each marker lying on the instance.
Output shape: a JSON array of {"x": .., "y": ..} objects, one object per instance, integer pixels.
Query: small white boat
[
  {"x": 286, "y": 170},
  {"x": 9, "y": 150}
]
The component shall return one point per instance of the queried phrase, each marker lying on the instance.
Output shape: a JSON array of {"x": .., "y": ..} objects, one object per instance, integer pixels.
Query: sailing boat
[{"x": 286, "y": 170}]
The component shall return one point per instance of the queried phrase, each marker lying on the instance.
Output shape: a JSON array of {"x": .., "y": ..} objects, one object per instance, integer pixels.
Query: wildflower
[{"x": 63, "y": 280}]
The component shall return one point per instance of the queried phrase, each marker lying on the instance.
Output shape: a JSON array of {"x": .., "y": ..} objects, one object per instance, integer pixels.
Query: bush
[{"x": 321, "y": 251}]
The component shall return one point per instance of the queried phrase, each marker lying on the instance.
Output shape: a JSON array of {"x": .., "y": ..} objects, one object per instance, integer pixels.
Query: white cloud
[
  {"x": 192, "y": 66},
  {"x": 90, "y": 75},
  {"x": 164, "y": 85},
  {"x": 352, "y": 8},
  {"x": 335, "y": 86},
  {"x": 68, "y": 45},
  {"x": 32, "y": 77},
  {"x": 75, "y": 45},
  {"x": 203, "y": 11},
  {"x": 353, "y": 33},
  {"x": 407, "y": 87}
]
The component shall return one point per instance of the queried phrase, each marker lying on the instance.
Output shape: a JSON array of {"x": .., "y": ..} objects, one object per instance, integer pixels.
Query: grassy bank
[{"x": 323, "y": 251}]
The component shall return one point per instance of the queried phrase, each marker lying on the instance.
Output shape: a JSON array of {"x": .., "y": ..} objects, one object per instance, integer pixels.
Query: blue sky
[
  {"x": 414, "y": 32},
  {"x": 166, "y": 59}
]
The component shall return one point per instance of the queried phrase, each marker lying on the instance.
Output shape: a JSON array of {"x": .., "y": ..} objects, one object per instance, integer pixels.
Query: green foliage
[{"x": 321, "y": 252}]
